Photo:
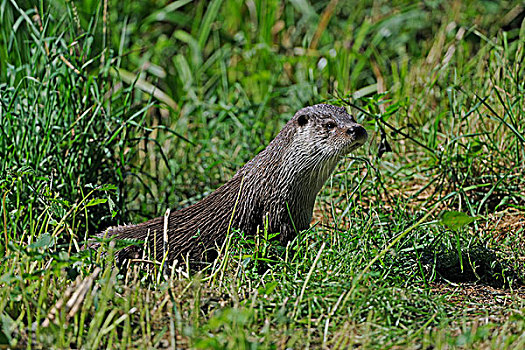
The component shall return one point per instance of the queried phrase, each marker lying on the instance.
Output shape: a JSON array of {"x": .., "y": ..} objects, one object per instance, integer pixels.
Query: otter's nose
[{"x": 357, "y": 131}]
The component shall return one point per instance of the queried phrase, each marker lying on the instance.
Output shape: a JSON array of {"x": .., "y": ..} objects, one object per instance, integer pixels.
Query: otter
[{"x": 276, "y": 190}]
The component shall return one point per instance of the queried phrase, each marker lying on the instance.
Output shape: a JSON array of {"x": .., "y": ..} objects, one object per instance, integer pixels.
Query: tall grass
[{"x": 111, "y": 112}]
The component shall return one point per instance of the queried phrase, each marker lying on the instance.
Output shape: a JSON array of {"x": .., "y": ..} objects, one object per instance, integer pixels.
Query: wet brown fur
[{"x": 279, "y": 186}]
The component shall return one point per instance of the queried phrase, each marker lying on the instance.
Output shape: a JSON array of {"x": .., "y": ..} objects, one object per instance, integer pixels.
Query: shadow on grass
[{"x": 475, "y": 264}]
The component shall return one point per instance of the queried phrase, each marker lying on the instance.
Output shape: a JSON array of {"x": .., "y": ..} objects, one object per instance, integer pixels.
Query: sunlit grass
[{"x": 113, "y": 117}]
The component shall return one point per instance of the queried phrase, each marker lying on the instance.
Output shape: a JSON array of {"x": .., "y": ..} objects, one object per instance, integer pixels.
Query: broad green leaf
[
  {"x": 43, "y": 242},
  {"x": 7, "y": 325},
  {"x": 96, "y": 201},
  {"x": 455, "y": 220},
  {"x": 267, "y": 289}
]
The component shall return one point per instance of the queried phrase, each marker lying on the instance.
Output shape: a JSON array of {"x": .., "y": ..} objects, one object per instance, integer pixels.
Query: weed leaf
[
  {"x": 43, "y": 242},
  {"x": 455, "y": 220}
]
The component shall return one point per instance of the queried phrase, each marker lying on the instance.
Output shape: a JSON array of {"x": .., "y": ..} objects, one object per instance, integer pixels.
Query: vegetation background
[{"x": 113, "y": 111}]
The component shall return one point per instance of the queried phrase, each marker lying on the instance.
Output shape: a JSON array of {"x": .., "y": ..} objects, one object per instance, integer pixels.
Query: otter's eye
[{"x": 330, "y": 125}]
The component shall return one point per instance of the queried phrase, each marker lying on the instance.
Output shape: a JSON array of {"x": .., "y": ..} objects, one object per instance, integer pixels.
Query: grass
[{"x": 112, "y": 112}]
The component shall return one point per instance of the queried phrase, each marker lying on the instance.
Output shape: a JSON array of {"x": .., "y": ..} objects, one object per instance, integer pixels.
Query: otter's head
[{"x": 327, "y": 131}]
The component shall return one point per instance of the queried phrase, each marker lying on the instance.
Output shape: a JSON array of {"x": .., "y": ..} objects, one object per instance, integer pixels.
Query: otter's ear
[{"x": 302, "y": 120}]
